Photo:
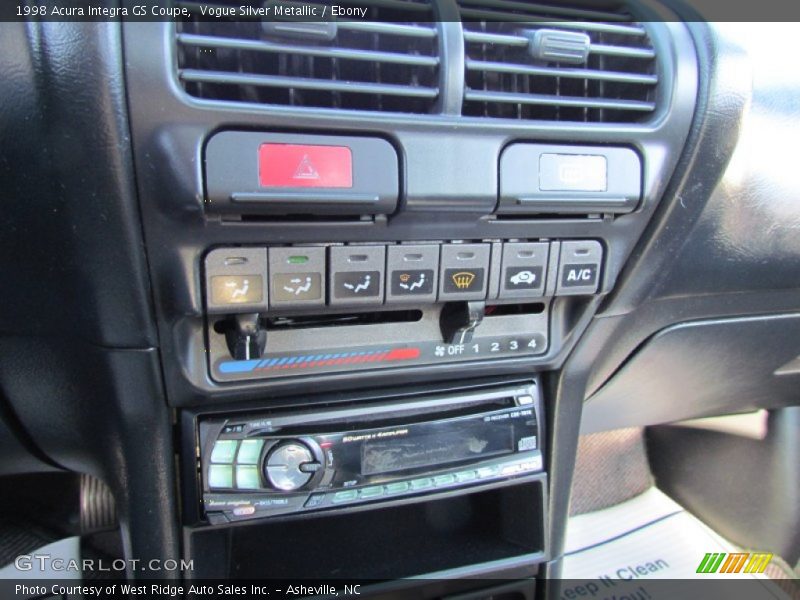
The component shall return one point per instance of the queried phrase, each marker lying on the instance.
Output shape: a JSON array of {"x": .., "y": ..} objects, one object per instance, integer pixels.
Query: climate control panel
[
  {"x": 294, "y": 277},
  {"x": 287, "y": 311}
]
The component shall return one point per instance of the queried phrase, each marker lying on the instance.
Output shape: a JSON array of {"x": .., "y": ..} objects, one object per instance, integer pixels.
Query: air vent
[
  {"x": 556, "y": 63},
  {"x": 388, "y": 61}
]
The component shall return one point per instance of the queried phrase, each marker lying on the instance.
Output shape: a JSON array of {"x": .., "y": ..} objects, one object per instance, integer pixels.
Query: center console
[{"x": 365, "y": 299}]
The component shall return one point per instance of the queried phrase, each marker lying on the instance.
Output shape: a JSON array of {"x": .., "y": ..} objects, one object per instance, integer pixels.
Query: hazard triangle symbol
[{"x": 305, "y": 170}]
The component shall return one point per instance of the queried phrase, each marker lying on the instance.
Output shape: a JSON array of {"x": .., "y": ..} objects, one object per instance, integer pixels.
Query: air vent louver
[
  {"x": 556, "y": 63},
  {"x": 386, "y": 62}
]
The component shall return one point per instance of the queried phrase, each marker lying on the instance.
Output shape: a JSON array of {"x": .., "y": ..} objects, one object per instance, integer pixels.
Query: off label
[{"x": 536, "y": 344}]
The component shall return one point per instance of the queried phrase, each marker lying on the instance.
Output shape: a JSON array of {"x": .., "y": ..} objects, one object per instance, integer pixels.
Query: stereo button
[
  {"x": 371, "y": 492},
  {"x": 224, "y": 451},
  {"x": 310, "y": 467},
  {"x": 344, "y": 496},
  {"x": 421, "y": 484},
  {"x": 247, "y": 478},
  {"x": 446, "y": 479},
  {"x": 220, "y": 476},
  {"x": 244, "y": 511},
  {"x": 314, "y": 500},
  {"x": 485, "y": 472},
  {"x": 397, "y": 488},
  {"x": 284, "y": 466},
  {"x": 525, "y": 400},
  {"x": 249, "y": 452},
  {"x": 462, "y": 476},
  {"x": 534, "y": 464}
]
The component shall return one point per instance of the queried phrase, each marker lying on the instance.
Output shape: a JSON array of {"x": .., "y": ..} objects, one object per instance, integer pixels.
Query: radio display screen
[{"x": 436, "y": 446}]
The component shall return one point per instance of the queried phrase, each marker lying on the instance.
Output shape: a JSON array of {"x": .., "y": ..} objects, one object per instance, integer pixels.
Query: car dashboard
[{"x": 335, "y": 299}]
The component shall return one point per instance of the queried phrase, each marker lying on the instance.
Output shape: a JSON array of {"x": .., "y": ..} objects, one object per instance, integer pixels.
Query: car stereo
[{"x": 263, "y": 465}]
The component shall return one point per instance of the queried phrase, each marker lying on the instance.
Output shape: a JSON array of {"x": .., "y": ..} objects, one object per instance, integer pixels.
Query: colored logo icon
[{"x": 734, "y": 562}]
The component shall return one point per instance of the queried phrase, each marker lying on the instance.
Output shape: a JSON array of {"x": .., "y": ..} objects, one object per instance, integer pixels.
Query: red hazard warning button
[{"x": 302, "y": 165}]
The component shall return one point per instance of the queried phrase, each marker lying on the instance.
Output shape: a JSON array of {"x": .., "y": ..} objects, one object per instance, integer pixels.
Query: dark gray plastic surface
[
  {"x": 546, "y": 178},
  {"x": 700, "y": 369},
  {"x": 726, "y": 246},
  {"x": 233, "y": 186}
]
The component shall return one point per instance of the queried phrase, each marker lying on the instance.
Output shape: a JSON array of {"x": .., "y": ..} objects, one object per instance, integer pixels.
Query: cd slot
[{"x": 381, "y": 417}]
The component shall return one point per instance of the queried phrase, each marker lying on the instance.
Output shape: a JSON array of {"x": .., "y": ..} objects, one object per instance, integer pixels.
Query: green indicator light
[{"x": 297, "y": 260}]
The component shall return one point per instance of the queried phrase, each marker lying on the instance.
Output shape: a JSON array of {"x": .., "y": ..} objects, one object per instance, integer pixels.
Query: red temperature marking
[{"x": 403, "y": 354}]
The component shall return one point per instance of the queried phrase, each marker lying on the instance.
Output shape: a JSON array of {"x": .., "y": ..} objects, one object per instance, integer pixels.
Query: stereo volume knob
[{"x": 290, "y": 465}]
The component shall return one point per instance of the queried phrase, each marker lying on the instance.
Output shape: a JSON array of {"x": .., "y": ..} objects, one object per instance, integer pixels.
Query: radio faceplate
[{"x": 265, "y": 465}]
